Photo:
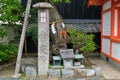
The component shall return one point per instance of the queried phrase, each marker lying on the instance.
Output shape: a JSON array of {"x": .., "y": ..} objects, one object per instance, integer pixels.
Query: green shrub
[
  {"x": 82, "y": 41},
  {"x": 89, "y": 47},
  {"x": 3, "y": 33},
  {"x": 7, "y": 52}
]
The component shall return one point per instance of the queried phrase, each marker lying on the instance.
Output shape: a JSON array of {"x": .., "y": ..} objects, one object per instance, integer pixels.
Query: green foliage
[
  {"x": 53, "y": 1},
  {"x": 3, "y": 33},
  {"x": 7, "y": 52},
  {"x": 89, "y": 47},
  {"x": 34, "y": 16},
  {"x": 32, "y": 32},
  {"x": 59, "y": 1},
  {"x": 82, "y": 41},
  {"x": 11, "y": 11}
]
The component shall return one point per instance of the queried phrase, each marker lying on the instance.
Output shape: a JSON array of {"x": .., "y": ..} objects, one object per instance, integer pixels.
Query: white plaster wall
[
  {"x": 106, "y": 46},
  {"x": 107, "y": 23},
  {"x": 116, "y": 50},
  {"x": 107, "y": 5},
  {"x": 116, "y": 23}
]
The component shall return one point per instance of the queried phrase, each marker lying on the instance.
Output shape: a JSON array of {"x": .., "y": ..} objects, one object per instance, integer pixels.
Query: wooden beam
[{"x": 18, "y": 62}]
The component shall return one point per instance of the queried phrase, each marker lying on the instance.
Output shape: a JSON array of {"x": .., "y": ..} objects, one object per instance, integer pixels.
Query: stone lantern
[
  {"x": 43, "y": 37},
  {"x": 67, "y": 55}
]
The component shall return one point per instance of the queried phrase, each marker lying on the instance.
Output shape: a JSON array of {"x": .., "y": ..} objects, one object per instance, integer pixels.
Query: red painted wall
[{"x": 115, "y": 5}]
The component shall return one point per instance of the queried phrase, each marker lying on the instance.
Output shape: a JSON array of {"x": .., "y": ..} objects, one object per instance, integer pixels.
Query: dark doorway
[
  {"x": 31, "y": 46},
  {"x": 97, "y": 41}
]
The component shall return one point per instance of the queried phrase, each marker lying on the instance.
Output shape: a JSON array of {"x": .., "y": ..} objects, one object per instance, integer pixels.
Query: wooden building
[{"x": 110, "y": 29}]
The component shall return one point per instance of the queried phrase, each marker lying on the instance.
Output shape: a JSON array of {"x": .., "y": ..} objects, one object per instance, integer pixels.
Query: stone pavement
[{"x": 109, "y": 71}]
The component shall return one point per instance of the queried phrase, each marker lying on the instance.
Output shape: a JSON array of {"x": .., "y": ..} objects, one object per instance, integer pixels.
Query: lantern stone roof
[
  {"x": 87, "y": 26},
  {"x": 67, "y": 53},
  {"x": 56, "y": 58},
  {"x": 79, "y": 56},
  {"x": 42, "y": 5}
]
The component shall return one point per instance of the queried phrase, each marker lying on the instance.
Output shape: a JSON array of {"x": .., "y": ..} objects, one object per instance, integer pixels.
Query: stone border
[
  {"x": 6, "y": 65},
  {"x": 79, "y": 73}
]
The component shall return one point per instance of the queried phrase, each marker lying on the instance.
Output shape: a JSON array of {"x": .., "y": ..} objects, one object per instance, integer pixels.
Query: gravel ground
[
  {"x": 91, "y": 78},
  {"x": 109, "y": 71}
]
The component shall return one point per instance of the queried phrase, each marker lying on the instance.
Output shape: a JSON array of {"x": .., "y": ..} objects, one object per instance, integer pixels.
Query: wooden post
[
  {"x": 18, "y": 62},
  {"x": 43, "y": 37},
  {"x": 25, "y": 45}
]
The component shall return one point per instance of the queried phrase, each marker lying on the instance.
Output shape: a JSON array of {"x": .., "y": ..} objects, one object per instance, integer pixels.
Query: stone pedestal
[
  {"x": 66, "y": 73},
  {"x": 80, "y": 72},
  {"x": 31, "y": 71},
  {"x": 26, "y": 62},
  {"x": 68, "y": 63},
  {"x": 90, "y": 72},
  {"x": 54, "y": 73},
  {"x": 98, "y": 71}
]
